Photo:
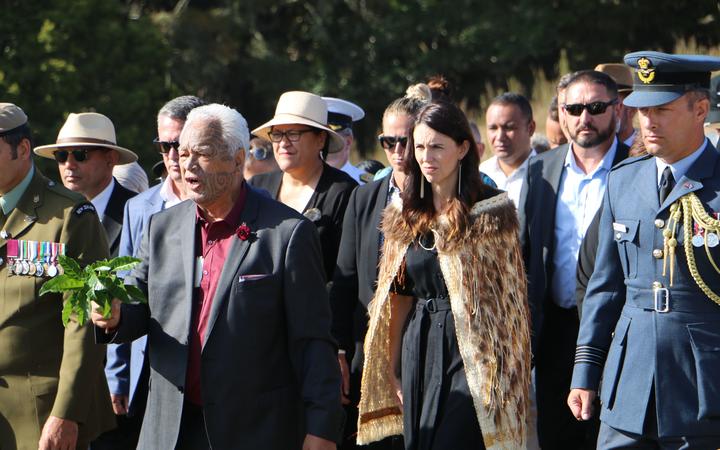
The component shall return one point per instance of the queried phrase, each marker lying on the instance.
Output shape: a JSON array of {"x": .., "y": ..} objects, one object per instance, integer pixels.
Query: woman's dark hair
[{"x": 448, "y": 119}]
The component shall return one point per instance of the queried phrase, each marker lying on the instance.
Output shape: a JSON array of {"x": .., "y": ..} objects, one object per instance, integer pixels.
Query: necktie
[{"x": 667, "y": 183}]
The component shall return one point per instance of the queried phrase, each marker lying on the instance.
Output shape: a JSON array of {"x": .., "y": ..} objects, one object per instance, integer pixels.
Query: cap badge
[{"x": 645, "y": 70}]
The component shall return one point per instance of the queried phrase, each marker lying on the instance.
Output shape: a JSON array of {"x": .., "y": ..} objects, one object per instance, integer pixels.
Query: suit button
[
  {"x": 657, "y": 253},
  {"x": 659, "y": 223},
  {"x": 618, "y": 235}
]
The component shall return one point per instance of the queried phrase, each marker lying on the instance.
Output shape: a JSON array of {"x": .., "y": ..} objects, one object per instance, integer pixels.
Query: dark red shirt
[{"x": 214, "y": 244}]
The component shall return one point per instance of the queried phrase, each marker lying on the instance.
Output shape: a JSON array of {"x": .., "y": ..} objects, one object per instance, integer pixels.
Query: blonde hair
[{"x": 416, "y": 96}]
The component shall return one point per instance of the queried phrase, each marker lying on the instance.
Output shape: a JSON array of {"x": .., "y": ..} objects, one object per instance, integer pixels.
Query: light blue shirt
[
  {"x": 579, "y": 198},
  {"x": 679, "y": 168}
]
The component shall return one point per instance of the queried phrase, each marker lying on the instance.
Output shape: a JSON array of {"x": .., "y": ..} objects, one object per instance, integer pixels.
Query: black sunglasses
[
  {"x": 292, "y": 135},
  {"x": 593, "y": 108},
  {"x": 389, "y": 142},
  {"x": 80, "y": 155},
  {"x": 166, "y": 146}
]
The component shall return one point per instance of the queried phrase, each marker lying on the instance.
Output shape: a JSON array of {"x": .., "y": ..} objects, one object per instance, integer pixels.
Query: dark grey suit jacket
[
  {"x": 356, "y": 271},
  {"x": 112, "y": 220},
  {"x": 538, "y": 201},
  {"x": 269, "y": 368}
]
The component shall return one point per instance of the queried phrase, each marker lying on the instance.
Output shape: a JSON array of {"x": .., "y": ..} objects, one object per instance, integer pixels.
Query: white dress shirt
[
  {"x": 511, "y": 183},
  {"x": 579, "y": 198},
  {"x": 101, "y": 200},
  {"x": 167, "y": 194}
]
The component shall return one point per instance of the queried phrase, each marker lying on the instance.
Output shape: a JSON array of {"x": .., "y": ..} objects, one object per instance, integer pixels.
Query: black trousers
[{"x": 557, "y": 427}]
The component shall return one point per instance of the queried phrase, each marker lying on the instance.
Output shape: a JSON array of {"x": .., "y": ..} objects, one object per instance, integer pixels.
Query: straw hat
[
  {"x": 87, "y": 130},
  {"x": 620, "y": 73},
  {"x": 303, "y": 108}
]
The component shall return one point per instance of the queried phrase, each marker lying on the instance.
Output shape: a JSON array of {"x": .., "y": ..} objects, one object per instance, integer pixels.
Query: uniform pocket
[
  {"x": 614, "y": 362},
  {"x": 625, "y": 233},
  {"x": 705, "y": 341}
]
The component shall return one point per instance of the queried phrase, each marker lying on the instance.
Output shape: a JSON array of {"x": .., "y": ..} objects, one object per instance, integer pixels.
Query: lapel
[
  {"x": 236, "y": 255},
  {"x": 621, "y": 152},
  {"x": 113, "y": 216},
  {"x": 187, "y": 247},
  {"x": 553, "y": 171},
  {"x": 647, "y": 181},
  {"x": 701, "y": 169},
  {"x": 374, "y": 229},
  {"x": 25, "y": 213}
]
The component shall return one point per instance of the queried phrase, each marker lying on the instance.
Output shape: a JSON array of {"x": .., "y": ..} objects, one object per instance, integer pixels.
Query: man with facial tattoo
[{"x": 237, "y": 320}]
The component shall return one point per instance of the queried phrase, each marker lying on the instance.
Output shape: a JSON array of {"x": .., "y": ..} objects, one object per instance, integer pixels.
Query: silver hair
[
  {"x": 179, "y": 107},
  {"x": 233, "y": 126}
]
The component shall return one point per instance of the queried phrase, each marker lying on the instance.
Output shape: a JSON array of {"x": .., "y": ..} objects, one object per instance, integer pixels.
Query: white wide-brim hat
[
  {"x": 87, "y": 130},
  {"x": 297, "y": 107}
]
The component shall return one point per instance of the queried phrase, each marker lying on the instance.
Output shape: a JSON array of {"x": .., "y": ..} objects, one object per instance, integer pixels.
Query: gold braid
[{"x": 691, "y": 208}]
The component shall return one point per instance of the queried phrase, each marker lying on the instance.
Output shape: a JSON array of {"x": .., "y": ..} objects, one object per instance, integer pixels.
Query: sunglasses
[
  {"x": 166, "y": 146},
  {"x": 389, "y": 142},
  {"x": 292, "y": 135},
  {"x": 259, "y": 153},
  {"x": 593, "y": 108},
  {"x": 80, "y": 155}
]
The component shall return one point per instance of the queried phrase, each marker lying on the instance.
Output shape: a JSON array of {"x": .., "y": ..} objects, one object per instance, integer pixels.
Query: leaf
[
  {"x": 71, "y": 267},
  {"x": 123, "y": 263},
  {"x": 135, "y": 293},
  {"x": 92, "y": 267},
  {"x": 67, "y": 309},
  {"x": 61, "y": 283},
  {"x": 117, "y": 290}
]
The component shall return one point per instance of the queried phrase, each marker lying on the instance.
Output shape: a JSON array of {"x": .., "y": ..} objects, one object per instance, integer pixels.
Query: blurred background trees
[{"x": 126, "y": 58}]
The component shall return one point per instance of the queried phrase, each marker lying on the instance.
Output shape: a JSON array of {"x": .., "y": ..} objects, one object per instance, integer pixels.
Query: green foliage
[
  {"x": 98, "y": 283},
  {"x": 125, "y": 59}
]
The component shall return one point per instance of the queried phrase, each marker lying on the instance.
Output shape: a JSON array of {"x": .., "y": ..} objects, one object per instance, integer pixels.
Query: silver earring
[
  {"x": 460, "y": 179},
  {"x": 422, "y": 186}
]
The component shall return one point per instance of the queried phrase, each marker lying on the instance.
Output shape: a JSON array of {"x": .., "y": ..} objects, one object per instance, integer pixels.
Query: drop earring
[
  {"x": 422, "y": 186},
  {"x": 460, "y": 179}
]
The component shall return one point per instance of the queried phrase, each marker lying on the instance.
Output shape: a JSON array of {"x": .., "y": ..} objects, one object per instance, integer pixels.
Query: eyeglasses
[
  {"x": 166, "y": 146},
  {"x": 292, "y": 135},
  {"x": 259, "y": 153},
  {"x": 80, "y": 155},
  {"x": 389, "y": 142},
  {"x": 593, "y": 108}
]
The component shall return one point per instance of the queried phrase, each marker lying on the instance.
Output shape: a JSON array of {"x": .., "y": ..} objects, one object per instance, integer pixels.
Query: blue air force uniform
[{"x": 643, "y": 341}]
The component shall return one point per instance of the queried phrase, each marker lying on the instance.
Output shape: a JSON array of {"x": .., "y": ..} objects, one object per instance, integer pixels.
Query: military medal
[
  {"x": 712, "y": 240},
  {"x": 12, "y": 254},
  {"x": 31, "y": 268},
  {"x": 25, "y": 267},
  {"x": 52, "y": 270},
  {"x": 698, "y": 239},
  {"x": 39, "y": 269}
]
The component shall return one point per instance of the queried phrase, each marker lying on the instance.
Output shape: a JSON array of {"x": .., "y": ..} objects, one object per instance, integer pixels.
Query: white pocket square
[{"x": 252, "y": 277}]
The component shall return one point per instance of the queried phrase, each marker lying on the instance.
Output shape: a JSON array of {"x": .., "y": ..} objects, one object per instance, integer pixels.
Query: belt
[
  {"x": 664, "y": 300},
  {"x": 433, "y": 305}
]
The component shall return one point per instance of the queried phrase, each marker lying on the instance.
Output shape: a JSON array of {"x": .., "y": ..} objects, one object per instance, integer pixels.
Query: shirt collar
[
  {"x": 233, "y": 217},
  {"x": 680, "y": 168},
  {"x": 167, "y": 194},
  {"x": 604, "y": 166},
  {"x": 9, "y": 201},
  {"x": 101, "y": 200}
]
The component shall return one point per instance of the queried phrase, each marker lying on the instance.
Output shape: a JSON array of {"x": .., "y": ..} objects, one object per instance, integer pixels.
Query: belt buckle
[
  {"x": 662, "y": 300},
  {"x": 430, "y": 305}
]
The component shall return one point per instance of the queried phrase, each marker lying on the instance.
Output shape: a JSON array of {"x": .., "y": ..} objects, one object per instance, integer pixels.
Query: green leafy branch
[{"x": 98, "y": 283}]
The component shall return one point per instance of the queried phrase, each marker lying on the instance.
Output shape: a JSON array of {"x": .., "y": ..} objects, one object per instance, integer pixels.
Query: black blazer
[
  {"x": 112, "y": 220},
  {"x": 538, "y": 200},
  {"x": 356, "y": 271},
  {"x": 330, "y": 200},
  {"x": 269, "y": 363}
]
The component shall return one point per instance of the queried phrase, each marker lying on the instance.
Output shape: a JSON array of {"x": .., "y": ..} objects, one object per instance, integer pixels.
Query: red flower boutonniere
[{"x": 243, "y": 232}]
